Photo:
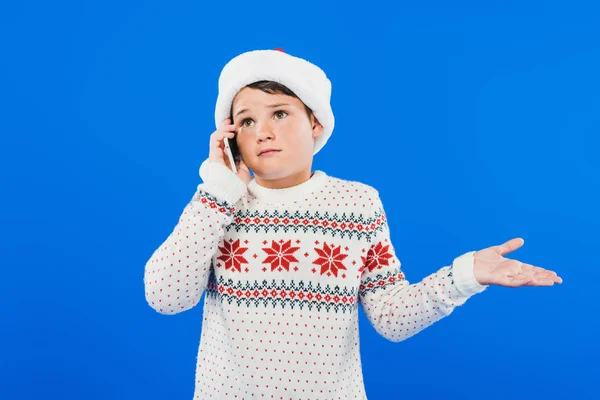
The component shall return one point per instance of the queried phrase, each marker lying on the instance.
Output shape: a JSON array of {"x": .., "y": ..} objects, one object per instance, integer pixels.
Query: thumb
[
  {"x": 243, "y": 169},
  {"x": 242, "y": 166}
]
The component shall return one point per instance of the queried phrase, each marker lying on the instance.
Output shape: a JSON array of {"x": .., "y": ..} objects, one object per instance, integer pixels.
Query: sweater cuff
[
  {"x": 222, "y": 183},
  {"x": 464, "y": 275}
]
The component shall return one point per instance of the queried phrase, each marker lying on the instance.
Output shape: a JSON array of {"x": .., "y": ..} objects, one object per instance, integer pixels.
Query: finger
[
  {"x": 542, "y": 273},
  {"x": 217, "y": 148},
  {"x": 547, "y": 276},
  {"x": 539, "y": 270},
  {"x": 510, "y": 246},
  {"x": 539, "y": 281},
  {"x": 519, "y": 281},
  {"x": 220, "y": 134},
  {"x": 536, "y": 268},
  {"x": 216, "y": 139},
  {"x": 227, "y": 124},
  {"x": 556, "y": 278}
]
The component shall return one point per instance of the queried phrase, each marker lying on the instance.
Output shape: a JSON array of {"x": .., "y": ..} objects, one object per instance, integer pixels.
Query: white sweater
[{"x": 283, "y": 279}]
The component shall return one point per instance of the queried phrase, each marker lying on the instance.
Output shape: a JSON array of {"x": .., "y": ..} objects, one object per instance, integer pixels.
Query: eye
[
  {"x": 280, "y": 114},
  {"x": 247, "y": 122}
]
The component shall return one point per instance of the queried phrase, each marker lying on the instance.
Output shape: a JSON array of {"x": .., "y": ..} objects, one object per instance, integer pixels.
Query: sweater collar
[{"x": 297, "y": 192}]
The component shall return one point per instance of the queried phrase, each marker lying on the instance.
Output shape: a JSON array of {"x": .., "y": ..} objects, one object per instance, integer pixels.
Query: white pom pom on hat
[{"x": 305, "y": 79}]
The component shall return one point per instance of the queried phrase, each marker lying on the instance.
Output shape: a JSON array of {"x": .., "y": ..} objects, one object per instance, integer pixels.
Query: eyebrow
[{"x": 269, "y": 106}]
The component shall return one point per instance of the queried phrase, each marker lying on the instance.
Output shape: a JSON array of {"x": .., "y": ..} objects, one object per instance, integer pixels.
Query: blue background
[{"x": 477, "y": 124}]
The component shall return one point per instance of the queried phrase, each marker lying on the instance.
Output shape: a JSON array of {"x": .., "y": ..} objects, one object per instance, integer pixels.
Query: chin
[
  {"x": 272, "y": 173},
  {"x": 276, "y": 169}
]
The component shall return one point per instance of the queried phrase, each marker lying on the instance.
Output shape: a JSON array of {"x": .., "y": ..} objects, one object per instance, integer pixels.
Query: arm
[
  {"x": 177, "y": 273},
  {"x": 397, "y": 309}
]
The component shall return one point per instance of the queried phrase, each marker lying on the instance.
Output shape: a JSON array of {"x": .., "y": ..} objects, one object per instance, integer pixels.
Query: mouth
[{"x": 268, "y": 152}]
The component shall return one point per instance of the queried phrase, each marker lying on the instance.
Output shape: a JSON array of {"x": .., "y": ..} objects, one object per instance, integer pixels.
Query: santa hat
[{"x": 305, "y": 79}]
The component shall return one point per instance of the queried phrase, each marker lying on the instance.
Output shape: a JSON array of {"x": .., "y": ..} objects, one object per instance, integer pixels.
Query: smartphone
[{"x": 232, "y": 150}]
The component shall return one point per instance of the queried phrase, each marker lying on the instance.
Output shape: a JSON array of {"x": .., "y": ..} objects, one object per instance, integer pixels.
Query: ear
[{"x": 317, "y": 128}]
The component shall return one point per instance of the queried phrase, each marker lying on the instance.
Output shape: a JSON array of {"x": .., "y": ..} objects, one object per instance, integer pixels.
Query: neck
[
  {"x": 288, "y": 181},
  {"x": 292, "y": 190}
]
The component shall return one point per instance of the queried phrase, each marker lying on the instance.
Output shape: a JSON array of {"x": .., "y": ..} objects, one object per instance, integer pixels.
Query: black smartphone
[{"x": 232, "y": 149}]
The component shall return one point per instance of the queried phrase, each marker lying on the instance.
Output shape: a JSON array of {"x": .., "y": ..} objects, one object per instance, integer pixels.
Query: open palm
[{"x": 492, "y": 268}]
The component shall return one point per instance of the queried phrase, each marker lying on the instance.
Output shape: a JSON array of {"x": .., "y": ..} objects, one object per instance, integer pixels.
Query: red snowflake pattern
[
  {"x": 280, "y": 255},
  {"x": 330, "y": 259},
  {"x": 363, "y": 264},
  {"x": 231, "y": 255},
  {"x": 378, "y": 256}
]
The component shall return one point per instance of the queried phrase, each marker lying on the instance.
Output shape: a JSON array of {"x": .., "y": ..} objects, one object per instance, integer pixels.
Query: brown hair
[{"x": 273, "y": 88}]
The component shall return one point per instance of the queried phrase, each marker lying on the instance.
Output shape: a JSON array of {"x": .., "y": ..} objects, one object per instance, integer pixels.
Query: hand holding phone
[{"x": 224, "y": 150}]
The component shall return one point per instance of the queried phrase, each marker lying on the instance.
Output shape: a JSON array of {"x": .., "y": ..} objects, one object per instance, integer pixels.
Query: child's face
[{"x": 274, "y": 121}]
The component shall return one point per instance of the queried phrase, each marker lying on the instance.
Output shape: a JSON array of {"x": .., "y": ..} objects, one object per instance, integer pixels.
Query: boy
[{"x": 286, "y": 256}]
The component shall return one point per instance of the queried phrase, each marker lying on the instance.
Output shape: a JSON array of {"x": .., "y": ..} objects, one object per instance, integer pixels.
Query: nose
[{"x": 264, "y": 132}]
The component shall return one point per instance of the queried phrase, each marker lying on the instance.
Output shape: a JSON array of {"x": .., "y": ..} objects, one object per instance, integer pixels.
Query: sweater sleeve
[
  {"x": 177, "y": 273},
  {"x": 397, "y": 309}
]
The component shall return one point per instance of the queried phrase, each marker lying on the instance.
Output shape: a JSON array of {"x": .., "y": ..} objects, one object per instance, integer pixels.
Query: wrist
[
  {"x": 221, "y": 182},
  {"x": 464, "y": 275}
]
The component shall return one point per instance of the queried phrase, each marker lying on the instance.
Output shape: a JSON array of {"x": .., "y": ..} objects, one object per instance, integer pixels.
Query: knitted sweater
[{"x": 284, "y": 272}]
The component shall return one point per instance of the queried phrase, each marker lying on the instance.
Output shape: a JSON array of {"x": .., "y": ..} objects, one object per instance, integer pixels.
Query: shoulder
[
  {"x": 346, "y": 189},
  {"x": 350, "y": 185}
]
